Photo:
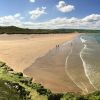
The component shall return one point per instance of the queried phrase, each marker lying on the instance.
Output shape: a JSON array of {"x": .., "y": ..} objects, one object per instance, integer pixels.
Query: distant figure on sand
[
  {"x": 71, "y": 44},
  {"x": 57, "y": 46}
]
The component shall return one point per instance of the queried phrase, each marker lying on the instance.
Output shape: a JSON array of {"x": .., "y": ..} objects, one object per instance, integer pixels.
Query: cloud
[
  {"x": 64, "y": 22},
  {"x": 10, "y": 20},
  {"x": 89, "y": 22},
  {"x": 17, "y": 15},
  {"x": 32, "y": 1},
  {"x": 37, "y": 12},
  {"x": 63, "y": 7},
  {"x": 92, "y": 18}
]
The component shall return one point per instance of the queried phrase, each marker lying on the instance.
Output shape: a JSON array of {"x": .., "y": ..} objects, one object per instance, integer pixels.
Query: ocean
[{"x": 90, "y": 56}]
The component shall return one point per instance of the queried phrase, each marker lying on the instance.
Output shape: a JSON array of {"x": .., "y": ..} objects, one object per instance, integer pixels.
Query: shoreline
[{"x": 84, "y": 64}]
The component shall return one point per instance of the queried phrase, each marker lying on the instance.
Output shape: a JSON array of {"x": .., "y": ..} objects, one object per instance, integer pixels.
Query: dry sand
[{"x": 20, "y": 51}]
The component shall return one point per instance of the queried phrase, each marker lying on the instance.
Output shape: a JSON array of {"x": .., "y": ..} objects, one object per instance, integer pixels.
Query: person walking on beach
[
  {"x": 57, "y": 46},
  {"x": 71, "y": 44}
]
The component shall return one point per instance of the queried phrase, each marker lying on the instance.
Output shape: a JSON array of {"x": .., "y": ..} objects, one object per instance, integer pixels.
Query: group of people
[{"x": 58, "y": 45}]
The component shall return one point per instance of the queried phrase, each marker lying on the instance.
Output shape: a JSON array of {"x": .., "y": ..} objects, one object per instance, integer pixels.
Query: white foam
[
  {"x": 85, "y": 65},
  {"x": 68, "y": 72},
  {"x": 81, "y": 86},
  {"x": 83, "y": 40}
]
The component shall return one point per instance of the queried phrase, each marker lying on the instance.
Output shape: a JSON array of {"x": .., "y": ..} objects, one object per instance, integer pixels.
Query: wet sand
[
  {"x": 75, "y": 68},
  {"x": 49, "y": 70},
  {"x": 20, "y": 51}
]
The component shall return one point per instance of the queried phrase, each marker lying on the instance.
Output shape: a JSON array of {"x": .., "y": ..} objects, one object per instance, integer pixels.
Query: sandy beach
[
  {"x": 20, "y": 51},
  {"x": 39, "y": 57},
  {"x": 61, "y": 69}
]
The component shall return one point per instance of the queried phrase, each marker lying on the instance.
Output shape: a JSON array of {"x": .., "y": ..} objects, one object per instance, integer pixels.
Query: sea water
[
  {"x": 90, "y": 55},
  {"x": 75, "y": 66}
]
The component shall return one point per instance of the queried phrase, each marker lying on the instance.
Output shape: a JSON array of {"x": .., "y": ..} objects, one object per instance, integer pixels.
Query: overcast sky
[{"x": 50, "y": 13}]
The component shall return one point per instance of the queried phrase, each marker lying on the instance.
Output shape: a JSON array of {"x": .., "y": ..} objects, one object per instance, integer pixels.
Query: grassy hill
[
  {"x": 16, "y": 30},
  {"x": 14, "y": 86},
  {"x": 6, "y": 92},
  {"x": 22, "y": 85}
]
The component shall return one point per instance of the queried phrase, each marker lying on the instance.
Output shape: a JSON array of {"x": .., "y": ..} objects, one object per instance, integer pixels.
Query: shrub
[
  {"x": 36, "y": 86},
  {"x": 27, "y": 81},
  {"x": 20, "y": 90},
  {"x": 93, "y": 96},
  {"x": 2, "y": 64},
  {"x": 55, "y": 96},
  {"x": 43, "y": 91},
  {"x": 20, "y": 74}
]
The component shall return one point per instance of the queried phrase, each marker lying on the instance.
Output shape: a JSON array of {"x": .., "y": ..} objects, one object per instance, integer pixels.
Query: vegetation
[
  {"x": 19, "y": 85},
  {"x": 6, "y": 92},
  {"x": 14, "y": 86},
  {"x": 16, "y": 30}
]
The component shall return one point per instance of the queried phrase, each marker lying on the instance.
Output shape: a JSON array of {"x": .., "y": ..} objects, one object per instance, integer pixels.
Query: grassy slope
[
  {"x": 6, "y": 92},
  {"x": 18, "y": 87},
  {"x": 15, "y": 78}
]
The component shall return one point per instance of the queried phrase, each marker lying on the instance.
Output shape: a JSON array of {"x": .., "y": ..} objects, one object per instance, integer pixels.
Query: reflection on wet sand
[{"x": 74, "y": 67}]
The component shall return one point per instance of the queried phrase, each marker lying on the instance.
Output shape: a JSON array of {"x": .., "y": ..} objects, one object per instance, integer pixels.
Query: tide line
[
  {"x": 66, "y": 68},
  {"x": 84, "y": 65}
]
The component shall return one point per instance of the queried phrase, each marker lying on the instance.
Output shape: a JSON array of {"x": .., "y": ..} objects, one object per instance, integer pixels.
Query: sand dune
[{"x": 20, "y": 51}]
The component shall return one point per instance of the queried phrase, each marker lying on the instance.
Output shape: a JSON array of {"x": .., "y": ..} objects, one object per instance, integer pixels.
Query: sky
[{"x": 50, "y": 14}]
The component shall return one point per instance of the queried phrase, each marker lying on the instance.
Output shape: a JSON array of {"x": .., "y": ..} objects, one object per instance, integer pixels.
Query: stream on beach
[{"x": 73, "y": 66}]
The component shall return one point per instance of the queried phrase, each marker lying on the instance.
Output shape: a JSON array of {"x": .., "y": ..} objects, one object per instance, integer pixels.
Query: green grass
[
  {"x": 14, "y": 86},
  {"x": 14, "y": 77},
  {"x": 7, "y": 93}
]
